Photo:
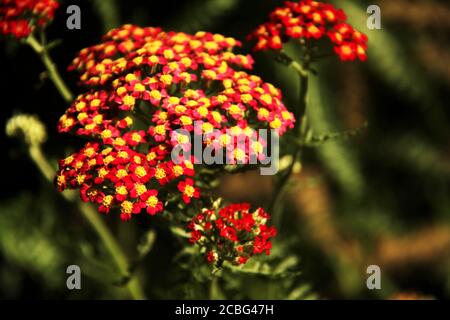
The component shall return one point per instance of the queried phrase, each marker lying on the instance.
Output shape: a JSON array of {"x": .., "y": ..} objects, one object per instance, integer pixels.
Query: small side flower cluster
[
  {"x": 311, "y": 20},
  {"x": 147, "y": 92},
  {"x": 233, "y": 234},
  {"x": 19, "y": 18}
]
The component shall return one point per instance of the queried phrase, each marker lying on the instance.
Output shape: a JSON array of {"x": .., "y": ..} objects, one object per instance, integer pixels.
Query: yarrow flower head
[
  {"x": 232, "y": 234},
  {"x": 146, "y": 91},
  {"x": 19, "y": 18},
  {"x": 311, "y": 20}
]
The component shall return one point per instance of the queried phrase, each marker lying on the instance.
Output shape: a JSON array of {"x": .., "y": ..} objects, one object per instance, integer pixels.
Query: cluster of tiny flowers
[
  {"x": 307, "y": 20},
  {"x": 234, "y": 234},
  {"x": 20, "y": 17},
  {"x": 149, "y": 91}
]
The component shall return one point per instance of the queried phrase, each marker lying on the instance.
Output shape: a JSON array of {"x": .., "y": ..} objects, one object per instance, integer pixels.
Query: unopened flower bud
[{"x": 29, "y": 127}]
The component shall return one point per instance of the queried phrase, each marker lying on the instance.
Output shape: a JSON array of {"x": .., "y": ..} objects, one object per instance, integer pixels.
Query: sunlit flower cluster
[
  {"x": 143, "y": 86},
  {"x": 311, "y": 20},
  {"x": 20, "y": 17},
  {"x": 232, "y": 233}
]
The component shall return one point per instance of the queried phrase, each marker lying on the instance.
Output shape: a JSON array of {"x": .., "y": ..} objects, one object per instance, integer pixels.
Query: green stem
[
  {"x": 94, "y": 220},
  {"x": 299, "y": 112},
  {"x": 299, "y": 68},
  {"x": 51, "y": 68}
]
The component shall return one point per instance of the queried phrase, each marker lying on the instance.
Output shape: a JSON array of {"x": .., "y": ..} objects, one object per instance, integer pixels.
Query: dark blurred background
[{"x": 379, "y": 198}]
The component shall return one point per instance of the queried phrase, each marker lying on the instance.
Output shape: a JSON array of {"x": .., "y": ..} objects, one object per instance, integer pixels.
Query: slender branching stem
[
  {"x": 300, "y": 114},
  {"x": 52, "y": 70}
]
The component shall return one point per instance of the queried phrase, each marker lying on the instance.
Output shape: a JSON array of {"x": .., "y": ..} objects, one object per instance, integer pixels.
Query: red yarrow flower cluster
[
  {"x": 311, "y": 20},
  {"x": 19, "y": 18},
  {"x": 232, "y": 234},
  {"x": 144, "y": 85}
]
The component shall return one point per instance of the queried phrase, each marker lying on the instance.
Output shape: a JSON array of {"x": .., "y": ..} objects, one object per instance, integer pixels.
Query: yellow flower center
[
  {"x": 81, "y": 178},
  {"x": 60, "y": 180},
  {"x": 80, "y": 106},
  {"x": 174, "y": 100},
  {"x": 130, "y": 77},
  {"x": 155, "y": 94},
  {"x": 246, "y": 98},
  {"x": 81, "y": 116},
  {"x": 210, "y": 45},
  {"x": 68, "y": 160},
  {"x": 210, "y": 74},
  {"x": 275, "y": 124},
  {"x": 152, "y": 201},
  {"x": 121, "y": 173},
  {"x": 140, "y": 171},
  {"x": 160, "y": 173},
  {"x": 178, "y": 170},
  {"x": 140, "y": 188},
  {"x": 160, "y": 129},
  {"x": 266, "y": 98},
  {"x": 182, "y": 139},
  {"x": 119, "y": 142},
  {"x": 257, "y": 147},
  {"x": 263, "y": 113},
  {"x": 166, "y": 79},
  {"x": 216, "y": 116},
  {"x": 107, "y": 200},
  {"x": 106, "y": 134},
  {"x": 286, "y": 115},
  {"x": 122, "y": 154},
  {"x": 102, "y": 172},
  {"x": 108, "y": 159},
  {"x": 222, "y": 98},
  {"x": 346, "y": 50},
  {"x": 224, "y": 139},
  {"x": 139, "y": 87},
  {"x": 129, "y": 101},
  {"x": 98, "y": 119},
  {"x": 180, "y": 109},
  {"x": 121, "y": 90},
  {"x": 122, "y": 190},
  {"x": 239, "y": 154},
  {"x": 136, "y": 137},
  {"x": 234, "y": 109},
  {"x": 186, "y": 62},
  {"x": 95, "y": 103},
  {"x": 185, "y": 120},
  {"x": 151, "y": 156},
  {"x": 162, "y": 115},
  {"x": 137, "y": 159},
  {"x": 207, "y": 127},
  {"x": 127, "y": 207},
  {"x": 168, "y": 54},
  {"x": 313, "y": 29},
  {"x": 189, "y": 191}
]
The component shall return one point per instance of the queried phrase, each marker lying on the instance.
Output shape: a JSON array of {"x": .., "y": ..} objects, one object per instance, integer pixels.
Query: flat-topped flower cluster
[
  {"x": 143, "y": 86},
  {"x": 311, "y": 20}
]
